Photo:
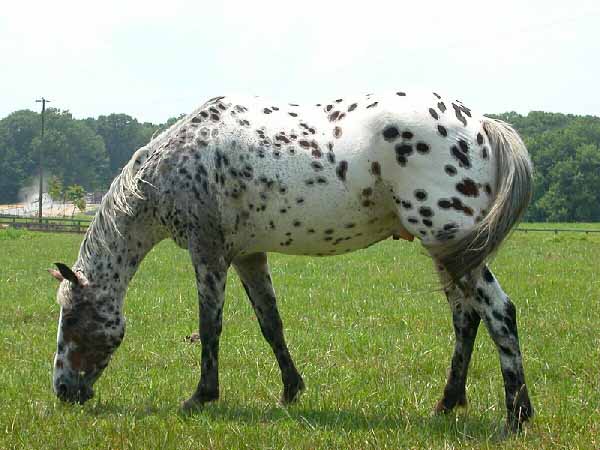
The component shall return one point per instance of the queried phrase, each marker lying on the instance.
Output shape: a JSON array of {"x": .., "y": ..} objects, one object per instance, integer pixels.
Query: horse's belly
[{"x": 321, "y": 229}]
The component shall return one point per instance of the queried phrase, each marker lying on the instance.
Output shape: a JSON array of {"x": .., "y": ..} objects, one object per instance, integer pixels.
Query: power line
[{"x": 43, "y": 101}]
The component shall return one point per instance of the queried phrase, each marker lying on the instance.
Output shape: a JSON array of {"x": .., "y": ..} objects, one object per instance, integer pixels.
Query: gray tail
[{"x": 514, "y": 188}]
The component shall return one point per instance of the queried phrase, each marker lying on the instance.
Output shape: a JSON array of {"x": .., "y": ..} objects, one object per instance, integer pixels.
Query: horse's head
[{"x": 90, "y": 328}]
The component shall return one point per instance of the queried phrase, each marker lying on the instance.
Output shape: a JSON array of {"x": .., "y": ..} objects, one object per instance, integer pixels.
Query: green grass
[{"x": 370, "y": 332}]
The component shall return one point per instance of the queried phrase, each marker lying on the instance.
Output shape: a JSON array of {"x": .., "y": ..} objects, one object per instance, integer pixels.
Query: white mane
[
  {"x": 121, "y": 196},
  {"x": 119, "y": 199}
]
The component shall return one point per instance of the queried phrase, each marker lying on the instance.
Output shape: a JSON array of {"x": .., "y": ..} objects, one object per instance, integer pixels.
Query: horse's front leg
[
  {"x": 211, "y": 275},
  {"x": 254, "y": 273}
]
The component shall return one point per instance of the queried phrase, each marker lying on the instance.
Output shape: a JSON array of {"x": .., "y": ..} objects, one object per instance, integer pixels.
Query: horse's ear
[
  {"x": 56, "y": 274},
  {"x": 66, "y": 273}
]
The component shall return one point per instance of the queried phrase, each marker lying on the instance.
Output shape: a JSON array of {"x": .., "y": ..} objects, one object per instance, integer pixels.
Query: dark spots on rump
[
  {"x": 316, "y": 165},
  {"x": 468, "y": 188},
  {"x": 442, "y": 106},
  {"x": 434, "y": 113},
  {"x": 337, "y": 132},
  {"x": 341, "y": 170},
  {"x": 425, "y": 211},
  {"x": 422, "y": 148},
  {"x": 463, "y": 158},
  {"x": 407, "y": 135},
  {"x": 401, "y": 94},
  {"x": 373, "y": 105},
  {"x": 352, "y": 107},
  {"x": 442, "y": 130},
  {"x": 479, "y": 138},
  {"x": 267, "y": 111},
  {"x": 450, "y": 169},
  {"x": 427, "y": 223},
  {"x": 390, "y": 133},
  {"x": 421, "y": 195},
  {"x": 406, "y": 204},
  {"x": 375, "y": 168},
  {"x": 457, "y": 204},
  {"x": 444, "y": 203},
  {"x": 458, "y": 110},
  {"x": 402, "y": 151}
]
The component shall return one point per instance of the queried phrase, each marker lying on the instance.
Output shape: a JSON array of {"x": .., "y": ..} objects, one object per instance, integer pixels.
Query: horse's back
[{"x": 335, "y": 176}]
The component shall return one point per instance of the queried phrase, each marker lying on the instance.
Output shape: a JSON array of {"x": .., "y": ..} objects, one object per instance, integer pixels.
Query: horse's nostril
[{"x": 62, "y": 390}]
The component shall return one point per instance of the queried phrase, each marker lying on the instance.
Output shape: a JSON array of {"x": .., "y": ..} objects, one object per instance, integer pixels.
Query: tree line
[{"x": 90, "y": 152}]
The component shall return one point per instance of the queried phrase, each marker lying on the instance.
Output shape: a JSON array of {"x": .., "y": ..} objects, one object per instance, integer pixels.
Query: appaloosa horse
[{"x": 240, "y": 177}]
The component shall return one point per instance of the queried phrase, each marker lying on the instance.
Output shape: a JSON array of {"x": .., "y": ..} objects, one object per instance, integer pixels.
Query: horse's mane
[
  {"x": 118, "y": 200},
  {"x": 122, "y": 195}
]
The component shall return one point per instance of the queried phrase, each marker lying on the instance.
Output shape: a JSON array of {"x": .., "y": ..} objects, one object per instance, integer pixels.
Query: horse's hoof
[
  {"x": 191, "y": 405},
  {"x": 292, "y": 393},
  {"x": 196, "y": 403},
  {"x": 514, "y": 423},
  {"x": 440, "y": 408}
]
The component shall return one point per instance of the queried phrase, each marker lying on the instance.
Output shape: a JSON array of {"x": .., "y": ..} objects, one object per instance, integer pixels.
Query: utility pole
[{"x": 43, "y": 101}]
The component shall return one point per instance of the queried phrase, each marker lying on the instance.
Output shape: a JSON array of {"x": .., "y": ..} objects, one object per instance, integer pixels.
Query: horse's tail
[{"x": 514, "y": 188}]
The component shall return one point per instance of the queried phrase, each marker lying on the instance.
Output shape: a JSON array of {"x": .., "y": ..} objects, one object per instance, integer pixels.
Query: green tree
[
  {"x": 122, "y": 135},
  {"x": 76, "y": 194},
  {"x": 18, "y": 162},
  {"x": 55, "y": 188}
]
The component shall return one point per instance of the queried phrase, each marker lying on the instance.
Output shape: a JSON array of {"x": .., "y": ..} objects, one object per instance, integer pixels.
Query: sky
[{"x": 155, "y": 60}]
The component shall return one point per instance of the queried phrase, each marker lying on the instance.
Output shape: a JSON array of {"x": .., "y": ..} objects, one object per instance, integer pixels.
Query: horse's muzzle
[{"x": 73, "y": 392}]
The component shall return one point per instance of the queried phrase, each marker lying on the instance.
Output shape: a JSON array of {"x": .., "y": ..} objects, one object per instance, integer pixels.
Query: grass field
[{"x": 370, "y": 332}]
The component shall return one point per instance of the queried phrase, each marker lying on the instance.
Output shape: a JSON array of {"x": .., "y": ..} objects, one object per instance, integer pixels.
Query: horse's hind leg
[
  {"x": 500, "y": 318},
  {"x": 254, "y": 273},
  {"x": 211, "y": 274},
  {"x": 466, "y": 321}
]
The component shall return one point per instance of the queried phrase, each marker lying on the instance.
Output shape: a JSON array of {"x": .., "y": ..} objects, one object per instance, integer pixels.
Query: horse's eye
[{"x": 71, "y": 321}]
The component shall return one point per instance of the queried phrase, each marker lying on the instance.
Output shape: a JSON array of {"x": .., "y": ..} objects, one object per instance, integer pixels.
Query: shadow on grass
[
  {"x": 456, "y": 427},
  {"x": 460, "y": 425}
]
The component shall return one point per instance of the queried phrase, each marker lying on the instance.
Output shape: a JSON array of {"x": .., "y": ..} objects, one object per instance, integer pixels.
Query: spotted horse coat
[{"x": 240, "y": 177}]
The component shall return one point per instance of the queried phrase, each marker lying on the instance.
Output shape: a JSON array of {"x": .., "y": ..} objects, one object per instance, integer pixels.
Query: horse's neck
[{"x": 110, "y": 257}]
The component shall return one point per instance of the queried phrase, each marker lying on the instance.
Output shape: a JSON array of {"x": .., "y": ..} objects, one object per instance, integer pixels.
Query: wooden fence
[
  {"x": 557, "y": 230},
  {"x": 55, "y": 225}
]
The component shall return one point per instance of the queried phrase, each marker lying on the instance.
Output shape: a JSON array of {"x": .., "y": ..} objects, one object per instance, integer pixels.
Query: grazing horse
[{"x": 240, "y": 177}]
